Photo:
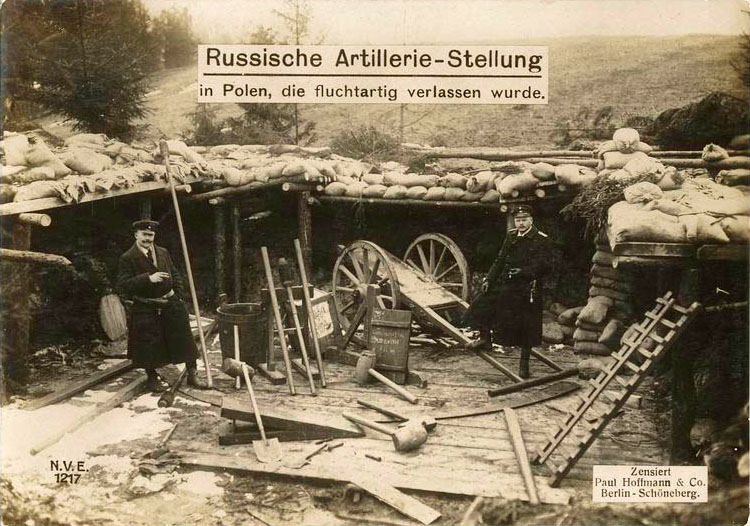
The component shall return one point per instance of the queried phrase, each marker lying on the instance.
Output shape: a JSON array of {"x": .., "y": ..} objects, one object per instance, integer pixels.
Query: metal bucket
[{"x": 253, "y": 329}]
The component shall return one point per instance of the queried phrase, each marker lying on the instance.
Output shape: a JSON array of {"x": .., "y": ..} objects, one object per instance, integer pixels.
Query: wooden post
[
  {"x": 304, "y": 226},
  {"x": 35, "y": 219},
  {"x": 683, "y": 388},
  {"x": 15, "y": 318},
  {"x": 220, "y": 248},
  {"x": 236, "y": 252}
]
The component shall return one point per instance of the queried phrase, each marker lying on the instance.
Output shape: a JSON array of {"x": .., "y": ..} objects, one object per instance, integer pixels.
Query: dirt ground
[{"x": 121, "y": 484}]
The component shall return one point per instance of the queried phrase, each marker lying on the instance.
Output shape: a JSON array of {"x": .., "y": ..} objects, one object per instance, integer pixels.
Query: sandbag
[
  {"x": 712, "y": 153},
  {"x": 543, "y": 171},
  {"x": 617, "y": 274},
  {"x": 274, "y": 171},
  {"x": 38, "y": 154},
  {"x": 395, "y": 178},
  {"x": 355, "y": 190},
  {"x": 294, "y": 168},
  {"x": 7, "y": 193},
  {"x": 311, "y": 170},
  {"x": 594, "y": 348},
  {"x": 737, "y": 228},
  {"x": 416, "y": 192},
  {"x": 597, "y": 328},
  {"x": 740, "y": 142},
  {"x": 453, "y": 181},
  {"x": 642, "y": 192},
  {"x": 595, "y": 310},
  {"x": 14, "y": 149},
  {"x": 428, "y": 181},
  {"x": 612, "y": 334},
  {"x": 626, "y": 139},
  {"x": 628, "y": 222},
  {"x": 595, "y": 290},
  {"x": 557, "y": 308},
  {"x": 335, "y": 188},
  {"x": 620, "y": 286},
  {"x": 615, "y": 160},
  {"x": 40, "y": 173},
  {"x": 735, "y": 177},
  {"x": 247, "y": 178},
  {"x": 490, "y": 196},
  {"x": 552, "y": 333},
  {"x": 436, "y": 193},
  {"x": 232, "y": 176},
  {"x": 374, "y": 190},
  {"x": 180, "y": 148},
  {"x": 324, "y": 168},
  {"x": 612, "y": 146},
  {"x": 603, "y": 258},
  {"x": 568, "y": 317},
  {"x": 620, "y": 175},
  {"x": 472, "y": 197},
  {"x": 481, "y": 181},
  {"x": 641, "y": 164},
  {"x": 373, "y": 179},
  {"x": 85, "y": 161},
  {"x": 574, "y": 175},
  {"x": 517, "y": 184},
  {"x": 669, "y": 179},
  {"x": 454, "y": 194},
  {"x": 668, "y": 207},
  {"x": 586, "y": 336},
  {"x": 396, "y": 192},
  {"x": 37, "y": 190},
  {"x": 566, "y": 331},
  {"x": 703, "y": 228},
  {"x": 346, "y": 180}
]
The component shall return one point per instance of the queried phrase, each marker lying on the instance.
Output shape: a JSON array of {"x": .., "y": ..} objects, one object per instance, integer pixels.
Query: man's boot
[
  {"x": 154, "y": 383},
  {"x": 193, "y": 380},
  {"x": 523, "y": 368},
  {"x": 483, "y": 343}
]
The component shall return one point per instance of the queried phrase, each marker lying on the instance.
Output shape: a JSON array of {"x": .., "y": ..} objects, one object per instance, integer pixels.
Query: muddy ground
[{"x": 120, "y": 484}]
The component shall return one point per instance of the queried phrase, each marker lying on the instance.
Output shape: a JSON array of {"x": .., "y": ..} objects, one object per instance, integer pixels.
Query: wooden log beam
[
  {"x": 300, "y": 187},
  {"x": 503, "y": 155},
  {"x": 35, "y": 219},
  {"x": 409, "y": 203},
  {"x": 180, "y": 189},
  {"x": 220, "y": 248},
  {"x": 244, "y": 189},
  {"x": 520, "y": 386},
  {"x": 236, "y": 253},
  {"x": 304, "y": 229},
  {"x": 39, "y": 258}
]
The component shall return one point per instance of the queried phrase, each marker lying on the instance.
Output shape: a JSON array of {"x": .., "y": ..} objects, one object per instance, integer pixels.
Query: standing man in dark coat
[
  {"x": 511, "y": 299},
  {"x": 158, "y": 327}
]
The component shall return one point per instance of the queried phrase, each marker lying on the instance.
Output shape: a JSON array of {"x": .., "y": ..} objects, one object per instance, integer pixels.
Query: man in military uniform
[
  {"x": 511, "y": 300},
  {"x": 158, "y": 326}
]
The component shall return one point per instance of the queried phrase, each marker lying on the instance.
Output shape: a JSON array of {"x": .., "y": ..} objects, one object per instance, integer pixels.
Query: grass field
[{"x": 637, "y": 76}]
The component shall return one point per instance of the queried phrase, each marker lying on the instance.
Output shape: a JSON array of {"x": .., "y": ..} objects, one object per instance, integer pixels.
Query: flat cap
[
  {"x": 146, "y": 224},
  {"x": 523, "y": 211}
]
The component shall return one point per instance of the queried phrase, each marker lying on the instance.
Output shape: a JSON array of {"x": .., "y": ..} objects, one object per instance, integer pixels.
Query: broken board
[
  {"x": 407, "y": 505},
  {"x": 304, "y": 426}
]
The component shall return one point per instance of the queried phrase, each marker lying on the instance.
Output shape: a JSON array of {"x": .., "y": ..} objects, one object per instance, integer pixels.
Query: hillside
[{"x": 639, "y": 76}]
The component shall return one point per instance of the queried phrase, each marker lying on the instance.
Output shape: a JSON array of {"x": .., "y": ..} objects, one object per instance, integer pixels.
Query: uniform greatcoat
[
  {"x": 512, "y": 304},
  {"x": 158, "y": 328}
]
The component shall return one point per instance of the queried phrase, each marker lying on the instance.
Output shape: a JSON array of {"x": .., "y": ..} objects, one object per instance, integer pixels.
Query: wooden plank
[
  {"x": 521, "y": 456},
  {"x": 49, "y": 203},
  {"x": 80, "y": 385},
  {"x": 723, "y": 252},
  {"x": 307, "y": 425},
  {"x": 407, "y": 505},
  {"x": 317, "y": 472},
  {"x": 677, "y": 250}
]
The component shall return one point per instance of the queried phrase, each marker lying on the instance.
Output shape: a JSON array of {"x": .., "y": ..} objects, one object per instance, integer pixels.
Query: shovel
[{"x": 266, "y": 450}]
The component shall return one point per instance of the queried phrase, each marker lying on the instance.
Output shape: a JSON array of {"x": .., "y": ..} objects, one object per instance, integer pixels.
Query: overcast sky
[{"x": 465, "y": 21}]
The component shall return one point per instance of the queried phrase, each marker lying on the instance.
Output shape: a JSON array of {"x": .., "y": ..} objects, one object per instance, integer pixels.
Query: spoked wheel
[
  {"x": 439, "y": 258},
  {"x": 361, "y": 264}
]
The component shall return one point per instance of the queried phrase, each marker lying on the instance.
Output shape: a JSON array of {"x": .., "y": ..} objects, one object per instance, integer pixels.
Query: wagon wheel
[
  {"x": 439, "y": 258},
  {"x": 360, "y": 264}
]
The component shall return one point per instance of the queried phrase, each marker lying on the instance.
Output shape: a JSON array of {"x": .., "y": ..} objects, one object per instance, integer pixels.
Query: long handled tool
[
  {"x": 267, "y": 450},
  {"x": 277, "y": 317},
  {"x": 428, "y": 422},
  {"x": 403, "y": 393},
  {"x": 308, "y": 308},
  {"x": 404, "y": 438},
  {"x": 164, "y": 149},
  {"x": 286, "y": 281}
]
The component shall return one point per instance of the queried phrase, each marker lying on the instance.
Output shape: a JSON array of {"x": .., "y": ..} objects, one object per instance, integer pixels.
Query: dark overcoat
[
  {"x": 512, "y": 304},
  {"x": 158, "y": 329}
]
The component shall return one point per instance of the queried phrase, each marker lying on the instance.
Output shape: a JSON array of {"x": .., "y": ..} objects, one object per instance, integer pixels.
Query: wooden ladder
[{"x": 662, "y": 333}]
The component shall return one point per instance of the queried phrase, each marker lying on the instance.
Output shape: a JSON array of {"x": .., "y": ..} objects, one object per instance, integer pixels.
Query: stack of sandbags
[
  {"x": 601, "y": 323},
  {"x": 567, "y": 322},
  {"x": 700, "y": 212},
  {"x": 29, "y": 159},
  {"x": 573, "y": 175},
  {"x": 625, "y": 146},
  {"x": 552, "y": 331}
]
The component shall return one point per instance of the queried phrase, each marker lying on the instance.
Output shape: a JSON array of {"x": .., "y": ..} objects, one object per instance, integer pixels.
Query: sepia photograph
[{"x": 374, "y": 262}]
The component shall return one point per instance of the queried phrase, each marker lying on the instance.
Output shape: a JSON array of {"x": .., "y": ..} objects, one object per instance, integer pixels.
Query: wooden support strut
[
  {"x": 27, "y": 256},
  {"x": 35, "y": 219},
  {"x": 514, "y": 429}
]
